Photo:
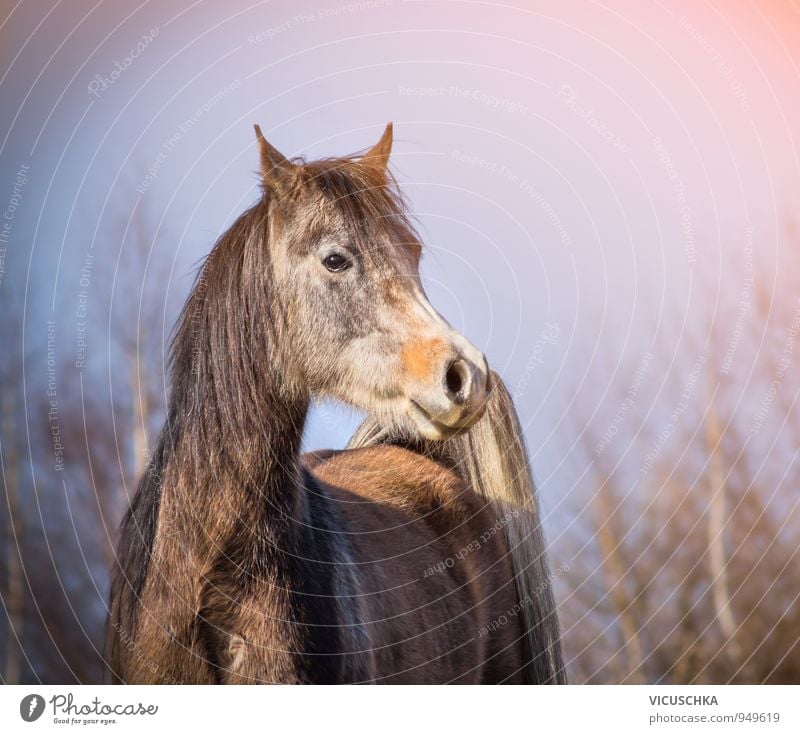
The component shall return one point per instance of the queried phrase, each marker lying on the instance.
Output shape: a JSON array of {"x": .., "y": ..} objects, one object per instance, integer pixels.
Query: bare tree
[
  {"x": 717, "y": 522},
  {"x": 13, "y": 594},
  {"x": 608, "y": 536},
  {"x": 137, "y": 309}
]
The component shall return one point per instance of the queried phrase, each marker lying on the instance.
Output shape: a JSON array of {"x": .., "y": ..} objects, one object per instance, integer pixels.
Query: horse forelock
[{"x": 370, "y": 203}]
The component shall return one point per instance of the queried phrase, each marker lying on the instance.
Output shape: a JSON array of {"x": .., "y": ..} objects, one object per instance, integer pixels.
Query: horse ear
[
  {"x": 273, "y": 163},
  {"x": 378, "y": 155}
]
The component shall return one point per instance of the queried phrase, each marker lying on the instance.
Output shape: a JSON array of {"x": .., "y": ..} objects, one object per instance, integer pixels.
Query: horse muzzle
[{"x": 456, "y": 400}]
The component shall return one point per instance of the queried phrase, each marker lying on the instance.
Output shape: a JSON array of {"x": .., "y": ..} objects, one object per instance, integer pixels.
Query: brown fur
[
  {"x": 411, "y": 514},
  {"x": 420, "y": 355}
]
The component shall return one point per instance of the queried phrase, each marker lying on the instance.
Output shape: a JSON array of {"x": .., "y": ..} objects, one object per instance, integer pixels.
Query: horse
[{"x": 416, "y": 555}]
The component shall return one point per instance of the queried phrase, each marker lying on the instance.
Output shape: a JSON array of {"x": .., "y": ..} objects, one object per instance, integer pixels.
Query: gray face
[{"x": 346, "y": 265}]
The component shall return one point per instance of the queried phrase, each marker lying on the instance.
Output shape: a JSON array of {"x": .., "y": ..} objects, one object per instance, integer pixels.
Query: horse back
[{"x": 436, "y": 591}]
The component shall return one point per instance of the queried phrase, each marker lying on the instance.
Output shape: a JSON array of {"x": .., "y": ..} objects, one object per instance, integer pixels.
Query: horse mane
[{"x": 223, "y": 349}]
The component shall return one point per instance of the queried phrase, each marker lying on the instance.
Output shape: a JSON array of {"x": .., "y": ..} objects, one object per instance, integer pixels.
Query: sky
[{"x": 596, "y": 184}]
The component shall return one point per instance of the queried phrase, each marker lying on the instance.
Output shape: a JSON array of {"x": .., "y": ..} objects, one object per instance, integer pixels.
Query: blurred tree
[
  {"x": 60, "y": 525},
  {"x": 13, "y": 589},
  {"x": 693, "y": 575}
]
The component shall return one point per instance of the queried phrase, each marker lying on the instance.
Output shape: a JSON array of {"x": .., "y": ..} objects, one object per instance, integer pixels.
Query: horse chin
[
  {"x": 408, "y": 419},
  {"x": 427, "y": 427}
]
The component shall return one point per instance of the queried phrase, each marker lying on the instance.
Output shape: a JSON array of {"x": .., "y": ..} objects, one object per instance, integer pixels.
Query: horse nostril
[{"x": 457, "y": 380}]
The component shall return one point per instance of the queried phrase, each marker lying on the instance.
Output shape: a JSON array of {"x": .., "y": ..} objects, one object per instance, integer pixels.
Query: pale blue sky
[{"x": 583, "y": 176}]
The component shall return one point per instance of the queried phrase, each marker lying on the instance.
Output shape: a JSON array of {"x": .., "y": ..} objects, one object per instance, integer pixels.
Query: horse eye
[{"x": 336, "y": 263}]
